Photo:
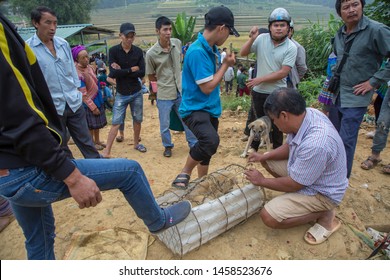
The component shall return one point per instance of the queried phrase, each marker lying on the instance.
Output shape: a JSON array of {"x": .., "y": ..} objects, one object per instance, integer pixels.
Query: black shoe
[
  {"x": 168, "y": 152},
  {"x": 175, "y": 214}
]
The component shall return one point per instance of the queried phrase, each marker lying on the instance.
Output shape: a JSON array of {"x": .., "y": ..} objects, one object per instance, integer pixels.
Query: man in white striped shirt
[{"x": 310, "y": 168}]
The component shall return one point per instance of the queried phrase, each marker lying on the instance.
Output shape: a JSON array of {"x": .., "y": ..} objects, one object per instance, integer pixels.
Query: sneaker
[
  {"x": 174, "y": 214},
  {"x": 167, "y": 152},
  {"x": 244, "y": 138},
  {"x": 370, "y": 135}
]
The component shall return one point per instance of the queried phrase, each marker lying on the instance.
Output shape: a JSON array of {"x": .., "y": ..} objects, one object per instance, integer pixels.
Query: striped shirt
[{"x": 317, "y": 157}]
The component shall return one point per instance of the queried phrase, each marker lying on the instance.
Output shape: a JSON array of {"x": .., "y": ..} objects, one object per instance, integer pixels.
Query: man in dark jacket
[
  {"x": 361, "y": 74},
  {"x": 35, "y": 171}
]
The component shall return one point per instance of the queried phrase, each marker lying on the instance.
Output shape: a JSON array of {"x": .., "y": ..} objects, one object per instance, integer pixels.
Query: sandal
[
  {"x": 370, "y": 163},
  {"x": 181, "y": 182},
  {"x": 386, "y": 169},
  {"x": 99, "y": 147},
  {"x": 101, "y": 144},
  {"x": 141, "y": 148},
  {"x": 319, "y": 233},
  {"x": 119, "y": 138}
]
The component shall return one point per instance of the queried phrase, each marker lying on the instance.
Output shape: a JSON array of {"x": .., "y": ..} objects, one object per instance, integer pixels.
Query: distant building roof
[{"x": 65, "y": 31}]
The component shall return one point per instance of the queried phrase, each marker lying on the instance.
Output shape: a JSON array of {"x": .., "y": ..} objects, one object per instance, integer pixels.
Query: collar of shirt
[
  {"x": 362, "y": 24},
  {"x": 159, "y": 49},
  {"x": 297, "y": 138},
  {"x": 212, "y": 51},
  {"x": 36, "y": 41}
]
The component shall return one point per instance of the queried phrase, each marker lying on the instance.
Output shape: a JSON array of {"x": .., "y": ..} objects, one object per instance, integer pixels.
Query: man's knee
[{"x": 268, "y": 220}]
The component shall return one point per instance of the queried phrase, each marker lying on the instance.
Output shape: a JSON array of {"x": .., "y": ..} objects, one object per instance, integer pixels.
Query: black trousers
[
  {"x": 205, "y": 129},
  {"x": 276, "y": 136}
]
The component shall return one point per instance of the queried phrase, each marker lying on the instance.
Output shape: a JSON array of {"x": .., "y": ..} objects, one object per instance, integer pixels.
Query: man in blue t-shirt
[{"x": 201, "y": 104}]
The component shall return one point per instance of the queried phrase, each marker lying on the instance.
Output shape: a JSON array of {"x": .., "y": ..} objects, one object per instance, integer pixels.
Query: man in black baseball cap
[
  {"x": 201, "y": 107},
  {"x": 127, "y": 28},
  {"x": 221, "y": 15}
]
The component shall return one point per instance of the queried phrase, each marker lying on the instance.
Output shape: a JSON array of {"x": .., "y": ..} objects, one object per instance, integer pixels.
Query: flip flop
[
  {"x": 386, "y": 169},
  {"x": 319, "y": 233},
  {"x": 141, "y": 148},
  {"x": 181, "y": 182},
  {"x": 370, "y": 163}
]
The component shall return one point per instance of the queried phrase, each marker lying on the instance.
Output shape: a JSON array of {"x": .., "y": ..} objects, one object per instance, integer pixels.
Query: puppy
[{"x": 259, "y": 131}]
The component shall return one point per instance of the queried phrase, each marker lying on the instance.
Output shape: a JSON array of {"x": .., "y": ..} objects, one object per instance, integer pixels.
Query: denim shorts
[{"x": 136, "y": 103}]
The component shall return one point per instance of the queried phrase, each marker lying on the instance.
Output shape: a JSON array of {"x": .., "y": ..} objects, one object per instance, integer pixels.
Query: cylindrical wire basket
[{"x": 211, "y": 217}]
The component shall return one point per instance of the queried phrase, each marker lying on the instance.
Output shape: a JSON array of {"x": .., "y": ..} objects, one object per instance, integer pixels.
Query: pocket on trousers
[{"x": 29, "y": 196}]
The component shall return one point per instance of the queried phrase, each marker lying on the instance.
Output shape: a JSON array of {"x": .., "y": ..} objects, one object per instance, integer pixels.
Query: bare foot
[{"x": 105, "y": 153}]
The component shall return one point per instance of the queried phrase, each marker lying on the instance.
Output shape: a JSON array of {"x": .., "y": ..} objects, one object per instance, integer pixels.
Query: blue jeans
[
  {"x": 136, "y": 102},
  {"x": 31, "y": 192},
  {"x": 347, "y": 122},
  {"x": 382, "y": 126},
  {"x": 164, "y": 110}
]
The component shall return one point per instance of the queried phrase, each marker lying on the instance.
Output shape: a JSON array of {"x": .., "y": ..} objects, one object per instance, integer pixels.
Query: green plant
[
  {"x": 183, "y": 28},
  {"x": 231, "y": 102},
  {"x": 316, "y": 39},
  {"x": 310, "y": 89}
]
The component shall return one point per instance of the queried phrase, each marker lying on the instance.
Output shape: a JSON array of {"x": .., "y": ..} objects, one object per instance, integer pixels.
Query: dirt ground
[{"x": 366, "y": 203}]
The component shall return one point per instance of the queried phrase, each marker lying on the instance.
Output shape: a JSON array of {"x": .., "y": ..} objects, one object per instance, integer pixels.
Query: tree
[
  {"x": 67, "y": 11},
  {"x": 183, "y": 28},
  {"x": 379, "y": 10}
]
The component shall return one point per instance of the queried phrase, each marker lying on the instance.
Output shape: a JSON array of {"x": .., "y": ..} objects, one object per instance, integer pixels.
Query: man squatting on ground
[{"x": 310, "y": 168}]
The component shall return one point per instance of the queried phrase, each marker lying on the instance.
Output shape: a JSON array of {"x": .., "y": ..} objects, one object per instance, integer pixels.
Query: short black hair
[
  {"x": 337, "y": 5},
  {"x": 36, "y": 14},
  {"x": 160, "y": 21},
  {"x": 284, "y": 99}
]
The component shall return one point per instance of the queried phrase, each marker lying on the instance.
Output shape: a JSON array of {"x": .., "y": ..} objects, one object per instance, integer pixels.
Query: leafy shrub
[
  {"x": 231, "y": 102},
  {"x": 310, "y": 89}
]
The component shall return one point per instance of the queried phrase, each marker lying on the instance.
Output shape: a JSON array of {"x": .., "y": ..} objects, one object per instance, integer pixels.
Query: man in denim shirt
[
  {"x": 56, "y": 62},
  {"x": 361, "y": 74}
]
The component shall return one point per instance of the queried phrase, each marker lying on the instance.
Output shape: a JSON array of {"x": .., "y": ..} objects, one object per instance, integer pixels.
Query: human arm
[
  {"x": 280, "y": 153},
  {"x": 271, "y": 77},
  {"x": 111, "y": 81},
  {"x": 246, "y": 48},
  {"x": 301, "y": 62},
  {"x": 28, "y": 118},
  {"x": 209, "y": 86},
  {"x": 83, "y": 189},
  {"x": 150, "y": 67},
  {"x": 137, "y": 70},
  {"x": 87, "y": 100},
  {"x": 281, "y": 184}
]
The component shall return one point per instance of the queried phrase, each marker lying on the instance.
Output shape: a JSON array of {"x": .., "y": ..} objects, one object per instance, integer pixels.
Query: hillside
[{"x": 247, "y": 15}]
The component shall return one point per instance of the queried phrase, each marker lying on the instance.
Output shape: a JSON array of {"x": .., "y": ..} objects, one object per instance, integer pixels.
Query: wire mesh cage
[{"x": 221, "y": 200}]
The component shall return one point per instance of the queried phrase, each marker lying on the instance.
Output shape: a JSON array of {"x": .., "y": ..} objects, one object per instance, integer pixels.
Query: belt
[{"x": 4, "y": 172}]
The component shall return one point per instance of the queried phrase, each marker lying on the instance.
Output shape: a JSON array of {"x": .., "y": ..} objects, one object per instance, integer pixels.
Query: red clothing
[{"x": 87, "y": 75}]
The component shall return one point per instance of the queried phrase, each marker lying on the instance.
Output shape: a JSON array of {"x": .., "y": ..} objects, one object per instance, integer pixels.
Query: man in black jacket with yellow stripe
[{"x": 35, "y": 171}]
